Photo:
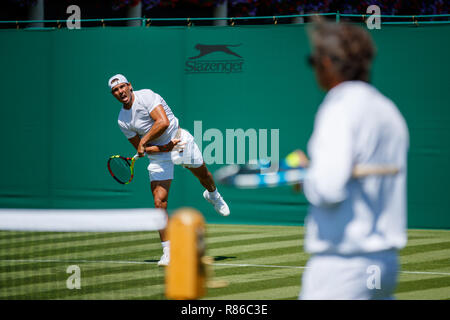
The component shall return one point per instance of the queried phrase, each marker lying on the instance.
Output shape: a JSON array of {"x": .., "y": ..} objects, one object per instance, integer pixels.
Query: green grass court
[{"x": 259, "y": 262}]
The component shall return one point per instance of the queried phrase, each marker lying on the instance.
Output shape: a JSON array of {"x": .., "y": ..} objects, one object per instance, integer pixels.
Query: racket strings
[{"x": 120, "y": 168}]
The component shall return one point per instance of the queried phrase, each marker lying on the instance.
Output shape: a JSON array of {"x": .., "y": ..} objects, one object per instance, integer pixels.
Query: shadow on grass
[{"x": 222, "y": 258}]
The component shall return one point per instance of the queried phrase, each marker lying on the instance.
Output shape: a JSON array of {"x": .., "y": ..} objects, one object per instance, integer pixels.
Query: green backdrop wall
[{"x": 59, "y": 121}]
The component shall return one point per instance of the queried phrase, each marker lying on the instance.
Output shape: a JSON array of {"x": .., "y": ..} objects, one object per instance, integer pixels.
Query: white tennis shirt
[
  {"x": 137, "y": 120},
  {"x": 356, "y": 124}
]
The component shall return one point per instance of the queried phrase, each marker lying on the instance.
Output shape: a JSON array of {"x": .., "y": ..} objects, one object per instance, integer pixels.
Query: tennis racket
[
  {"x": 121, "y": 168},
  {"x": 249, "y": 176}
]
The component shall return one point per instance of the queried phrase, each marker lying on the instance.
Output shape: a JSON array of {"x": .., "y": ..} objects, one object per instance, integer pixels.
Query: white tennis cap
[{"x": 117, "y": 79}]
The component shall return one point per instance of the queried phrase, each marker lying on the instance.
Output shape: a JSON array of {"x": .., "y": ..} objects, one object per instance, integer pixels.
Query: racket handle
[
  {"x": 136, "y": 156},
  {"x": 360, "y": 171}
]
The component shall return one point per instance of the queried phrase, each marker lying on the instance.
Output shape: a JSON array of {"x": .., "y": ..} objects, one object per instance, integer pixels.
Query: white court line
[
  {"x": 257, "y": 265},
  {"x": 424, "y": 272},
  {"x": 215, "y": 264},
  {"x": 75, "y": 261}
]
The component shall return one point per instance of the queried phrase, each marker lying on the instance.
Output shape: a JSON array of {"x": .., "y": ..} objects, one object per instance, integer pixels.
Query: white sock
[
  {"x": 165, "y": 245},
  {"x": 214, "y": 195}
]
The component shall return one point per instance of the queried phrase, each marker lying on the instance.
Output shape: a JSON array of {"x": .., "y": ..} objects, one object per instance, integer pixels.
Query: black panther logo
[{"x": 207, "y": 49}]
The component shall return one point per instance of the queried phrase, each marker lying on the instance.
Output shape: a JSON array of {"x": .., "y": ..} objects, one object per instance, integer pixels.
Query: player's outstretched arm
[
  {"x": 159, "y": 126},
  {"x": 165, "y": 148}
]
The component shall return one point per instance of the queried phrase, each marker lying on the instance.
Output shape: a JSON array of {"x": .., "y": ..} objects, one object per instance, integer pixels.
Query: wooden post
[{"x": 186, "y": 272}]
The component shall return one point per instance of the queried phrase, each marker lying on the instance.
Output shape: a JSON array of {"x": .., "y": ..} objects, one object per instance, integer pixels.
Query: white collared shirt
[
  {"x": 137, "y": 119},
  {"x": 356, "y": 124}
]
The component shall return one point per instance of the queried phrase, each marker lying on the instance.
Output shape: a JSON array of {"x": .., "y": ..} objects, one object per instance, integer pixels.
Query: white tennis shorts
[
  {"x": 161, "y": 165},
  {"x": 358, "y": 277}
]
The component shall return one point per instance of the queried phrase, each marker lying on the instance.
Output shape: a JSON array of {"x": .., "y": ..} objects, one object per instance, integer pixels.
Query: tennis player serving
[{"x": 152, "y": 128}]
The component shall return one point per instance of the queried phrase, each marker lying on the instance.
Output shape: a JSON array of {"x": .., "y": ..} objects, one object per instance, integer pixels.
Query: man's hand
[
  {"x": 140, "y": 150},
  {"x": 297, "y": 158},
  {"x": 171, "y": 146}
]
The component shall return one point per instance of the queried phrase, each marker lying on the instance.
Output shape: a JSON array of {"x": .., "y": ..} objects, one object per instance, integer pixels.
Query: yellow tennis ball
[{"x": 293, "y": 159}]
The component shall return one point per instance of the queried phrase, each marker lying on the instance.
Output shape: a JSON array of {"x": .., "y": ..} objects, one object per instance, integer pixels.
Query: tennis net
[{"x": 81, "y": 254}]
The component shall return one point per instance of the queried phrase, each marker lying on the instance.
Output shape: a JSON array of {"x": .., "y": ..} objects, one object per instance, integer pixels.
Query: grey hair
[{"x": 349, "y": 47}]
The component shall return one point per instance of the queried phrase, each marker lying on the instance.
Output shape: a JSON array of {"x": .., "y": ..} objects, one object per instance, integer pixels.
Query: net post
[{"x": 186, "y": 272}]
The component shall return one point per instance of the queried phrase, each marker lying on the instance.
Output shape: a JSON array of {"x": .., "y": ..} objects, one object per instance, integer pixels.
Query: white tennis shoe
[
  {"x": 219, "y": 204},
  {"x": 165, "y": 258}
]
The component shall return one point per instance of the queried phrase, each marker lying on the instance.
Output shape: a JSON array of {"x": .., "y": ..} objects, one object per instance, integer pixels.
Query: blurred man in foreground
[{"x": 355, "y": 226}]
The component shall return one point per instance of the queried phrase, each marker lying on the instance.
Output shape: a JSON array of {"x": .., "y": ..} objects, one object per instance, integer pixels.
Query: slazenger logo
[{"x": 201, "y": 64}]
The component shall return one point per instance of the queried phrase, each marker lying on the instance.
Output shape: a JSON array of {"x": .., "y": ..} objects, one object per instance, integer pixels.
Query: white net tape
[{"x": 114, "y": 220}]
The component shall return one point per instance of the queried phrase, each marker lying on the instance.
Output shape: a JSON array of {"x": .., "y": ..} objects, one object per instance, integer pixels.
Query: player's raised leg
[
  {"x": 192, "y": 159},
  {"x": 211, "y": 193},
  {"x": 160, "y": 191}
]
